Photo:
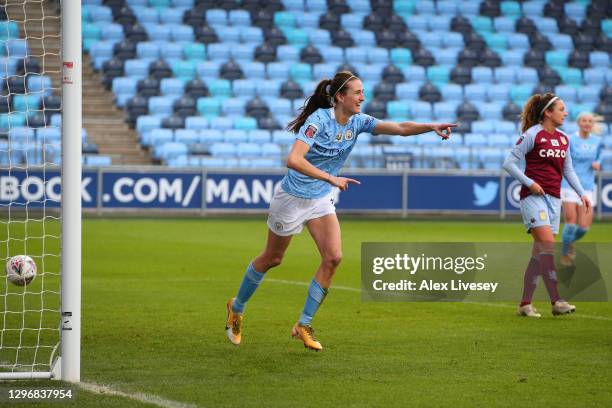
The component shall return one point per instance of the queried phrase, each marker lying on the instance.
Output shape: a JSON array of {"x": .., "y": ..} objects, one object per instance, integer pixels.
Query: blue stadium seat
[
  {"x": 239, "y": 18},
  {"x": 210, "y": 136},
  {"x": 161, "y": 106},
  {"x": 398, "y": 109},
  {"x": 181, "y": 32},
  {"x": 589, "y": 94},
  {"x": 209, "y": 107},
  {"x": 220, "y": 88},
  {"x": 287, "y": 53},
  {"x": 216, "y": 17},
  {"x": 356, "y": 55},
  {"x": 408, "y": 91},
  {"x": 570, "y": 76},
  {"x": 196, "y": 123},
  {"x": 325, "y": 70},
  {"x": 184, "y": 69},
  {"x": 506, "y": 128},
  {"x": 527, "y": 75},
  {"x": 414, "y": 73},
  {"x": 235, "y": 136},
  {"x": 223, "y": 150},
  {"x": 259, "y": 136},
  {"x": 222, "y": 123},
  {"x": 218, "y": 52},
  {"x": 271, "y": 150},
  {"x": 228, "y": 34},
  {"x": 253, "y": 69},
  {"x": 491, "y": 158},
  {"x": 251, "y": 35},
  {"x": 98, "y": 160},
  {"x": 145, "y": 15},
  {"x": 485, "y": 127},
  {"x": 100, "y": 14},
  {"x": 112, "y": 32},
  {"x": 351, "y": 21},
  {"x": 491, "y": 110},
  {"x": 364, "y": 38},
  {"x": 475, "y": 140},
  {"x": 533, "y": 8},
  {"x": 170, "y": 51},
  {"x": 283, "y": 137},
  {"x": 556, "y": 58},
  {"x": 99, "y": 52},
  {"x": 520, "y": 93},
  {"x": 595, "y": 76},
  {"x": 319, "y": 38},
  {"x": 445, "y": 110},
  {"x": 448, "y": 7},
  {"x": 417, "y": 23},
  {"x": 296, "y": 37},
  {"x": 278, "y": 71},
  {"x": 504, "y": 24},
  {"x": 27, "y": 103},
  {"x": 268, "y": 87},
  {"x": 280, "y": 106},
  {"x": 245, "y": 123},
  {"x": 568, "y": 93},
  {"x": 332, "y": 55},
  {"x": 233, "y": 107},
  {"x": 21, "y": 134},
  {"x": 599, "y": 59},
  {"x": 243, "y": 52},
  {"x": 506, "y": 75},
  {"x": 172, "y": 87},
  {"x": 208, "y": 70},
  {"x": 186, "y": 136},
  {"x": 146, "y": 123},
  {"x": 359, "y": 6},
  {"x": 498, "y": 92},
  {"x": 157, "y": 137},
  {"x": 447, "y": 56},
  {"x": 301, "y": 72},
  {"x": 158, "y": 32},
  {"x": 39, "y": 84},
  {"x": 136, "y": 68},
  {"x": 421, "y": 111},
  {"x": 438, "y": 74},
  {"x": 513, "y": 58},
  {"x": 401, "y": 57},
  {"x": 475, "y": 92},
  {"x": 378, "y": 55},
  {"x": 248, "y": 150},
  {"x": 148, "y": 50},
  {"x": 482, "y": 75},
  {"x": 452, "y": 92}
]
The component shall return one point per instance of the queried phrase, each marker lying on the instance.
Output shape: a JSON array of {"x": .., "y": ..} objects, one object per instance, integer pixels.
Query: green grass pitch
[{"x": 154, "y": 293}]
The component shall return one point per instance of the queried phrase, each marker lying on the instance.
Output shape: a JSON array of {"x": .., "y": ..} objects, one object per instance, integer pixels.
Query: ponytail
[
  {"x": 324, "y": 96},
  {"x": 533, "y": 111}
]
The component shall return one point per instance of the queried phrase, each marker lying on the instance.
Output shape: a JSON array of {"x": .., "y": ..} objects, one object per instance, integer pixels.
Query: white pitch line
[
  {"x": 134, "y": 396},
  {"x": 487, "y": 304}
]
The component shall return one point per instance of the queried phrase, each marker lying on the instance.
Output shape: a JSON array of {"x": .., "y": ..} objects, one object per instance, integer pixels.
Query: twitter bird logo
[{"x": 485, "y": 194}]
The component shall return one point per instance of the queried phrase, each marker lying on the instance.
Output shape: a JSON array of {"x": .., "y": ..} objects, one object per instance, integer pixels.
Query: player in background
[
  {"x": 586, "y": 155},
  {"x": 326, "y": 131},
  {"x": 546, "y": 153}
]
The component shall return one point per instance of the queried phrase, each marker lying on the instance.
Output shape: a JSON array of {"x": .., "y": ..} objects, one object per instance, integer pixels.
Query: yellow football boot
[
  {"x": 306, "y": 334},
  {"x": 233, "y": 325}
]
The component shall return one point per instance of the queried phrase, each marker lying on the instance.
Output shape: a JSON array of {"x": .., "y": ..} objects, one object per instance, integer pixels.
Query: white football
[{"x": 20, "y": 270}]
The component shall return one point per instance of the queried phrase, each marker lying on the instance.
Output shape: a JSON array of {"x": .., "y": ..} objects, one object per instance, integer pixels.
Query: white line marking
[
  {"x": 135, "y": 396},
  {"x": 488, "y": 304}
]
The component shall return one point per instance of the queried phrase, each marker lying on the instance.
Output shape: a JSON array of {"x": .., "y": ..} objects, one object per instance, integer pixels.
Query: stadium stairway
[{"x": 104, "y": 123}]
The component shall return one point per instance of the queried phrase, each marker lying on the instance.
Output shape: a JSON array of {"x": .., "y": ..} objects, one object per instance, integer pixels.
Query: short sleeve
[
  {"x": 367, "y": 123},
  {"x": 312, "y": 128}
]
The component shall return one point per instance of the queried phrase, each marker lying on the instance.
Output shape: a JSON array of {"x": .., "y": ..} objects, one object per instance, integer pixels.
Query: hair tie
[{"x": 328, "y": 88}]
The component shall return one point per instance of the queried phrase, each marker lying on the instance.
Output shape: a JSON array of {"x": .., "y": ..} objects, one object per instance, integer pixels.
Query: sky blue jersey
[
  {"x": 330, "y": 144},
  {"x": 584, "y": 152}
]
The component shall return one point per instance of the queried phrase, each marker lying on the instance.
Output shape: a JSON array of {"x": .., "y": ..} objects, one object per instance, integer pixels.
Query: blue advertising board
[
  {"x": 152, "y": 190},
  {"x": 376, "y": 192},
  {"x": 447, "y": 193},
  {"x": 247, "y": 191},
  {"x": 38, "y": 189},
  {"x": 605, "y": 195}
]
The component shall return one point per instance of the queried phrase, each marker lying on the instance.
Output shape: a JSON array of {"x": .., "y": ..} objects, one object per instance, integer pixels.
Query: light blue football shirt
[
  {"x": 330, "y": 144},
  {"x": 584, "y": 152}
]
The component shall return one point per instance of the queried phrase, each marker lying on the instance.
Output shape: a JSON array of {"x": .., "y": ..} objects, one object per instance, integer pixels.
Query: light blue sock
[
  {"x": 580, "y": 232},
  {"x": 316, "y": 295},
  {"x": 249, "y": 284},
  {"x": 569, "y": 231}
]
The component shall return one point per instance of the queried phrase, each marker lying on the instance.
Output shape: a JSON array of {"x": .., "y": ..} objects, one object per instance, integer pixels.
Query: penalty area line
[
  {"x": 486, "y": 304},
  {"x": 134, "y": 396}
]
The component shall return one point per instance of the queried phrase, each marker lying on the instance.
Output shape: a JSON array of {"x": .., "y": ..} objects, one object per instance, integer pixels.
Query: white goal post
[{"x": 63, "y": 353}]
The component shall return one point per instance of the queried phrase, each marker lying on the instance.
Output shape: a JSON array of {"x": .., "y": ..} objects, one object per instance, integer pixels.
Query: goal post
[
  {"x": 71, "y": 191},
  {"x": 40, "y": 323}
]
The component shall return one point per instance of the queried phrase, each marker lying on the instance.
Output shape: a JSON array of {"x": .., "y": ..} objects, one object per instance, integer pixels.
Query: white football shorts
[
  {"x": 289, "y": 213},
  {"x": 568, "y": 195},
  {"x": 543, "y": 210}
]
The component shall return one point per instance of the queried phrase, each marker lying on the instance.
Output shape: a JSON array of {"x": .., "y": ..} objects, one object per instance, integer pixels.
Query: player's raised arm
[{"x": 413, "y": 128}]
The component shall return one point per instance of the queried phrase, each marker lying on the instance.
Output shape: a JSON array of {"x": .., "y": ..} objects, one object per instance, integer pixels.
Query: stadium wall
[{"x": 150, "y": 190}]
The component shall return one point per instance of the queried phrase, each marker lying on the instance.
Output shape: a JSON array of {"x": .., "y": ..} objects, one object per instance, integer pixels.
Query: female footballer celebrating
[
  {"x": 546, "y": 152},
  {"x": 326, "y": 132},
  {"x": 586, "y": 154}
]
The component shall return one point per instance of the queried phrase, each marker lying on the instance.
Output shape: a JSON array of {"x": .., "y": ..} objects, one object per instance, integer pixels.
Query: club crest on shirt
[
  {"x": 348, "y": 135},
  {"x": 563, "y": 140},
  {"x": 520, "y": 140},
  {"x": 554, "y": 142},
  {"x": 339, "y": 137},
  {"x": 311, "y": 131}
]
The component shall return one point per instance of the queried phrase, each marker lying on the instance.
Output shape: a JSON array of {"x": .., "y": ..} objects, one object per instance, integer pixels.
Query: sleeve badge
[{"x": 311, "y": 131}]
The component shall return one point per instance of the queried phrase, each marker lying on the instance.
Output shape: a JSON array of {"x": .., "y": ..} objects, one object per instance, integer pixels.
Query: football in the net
[{"x": 21, "y": 270}]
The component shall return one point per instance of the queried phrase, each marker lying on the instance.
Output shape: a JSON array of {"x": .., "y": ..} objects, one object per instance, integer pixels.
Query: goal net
[{"x": 37, "y": 182}]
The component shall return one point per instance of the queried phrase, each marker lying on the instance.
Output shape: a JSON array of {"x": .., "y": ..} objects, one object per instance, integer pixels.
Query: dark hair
[
  {"x": 321, "y": 98},
  {"x": 532, "y": 111}
]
